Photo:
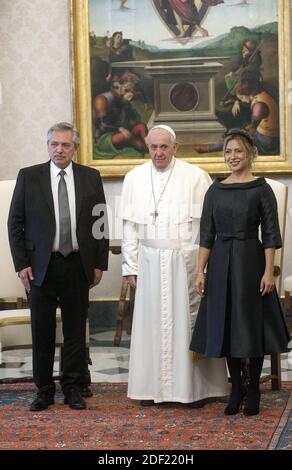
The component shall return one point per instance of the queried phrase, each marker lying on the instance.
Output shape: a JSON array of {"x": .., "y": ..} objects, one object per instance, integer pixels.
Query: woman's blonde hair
[{"x": 242, "y": 136}]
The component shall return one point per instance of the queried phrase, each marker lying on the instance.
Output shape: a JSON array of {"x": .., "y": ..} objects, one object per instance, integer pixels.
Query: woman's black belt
[{"x": 237, "y": 235}]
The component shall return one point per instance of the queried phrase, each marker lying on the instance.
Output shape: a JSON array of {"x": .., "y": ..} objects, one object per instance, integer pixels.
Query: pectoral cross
[{"x": 154, "y": 216}]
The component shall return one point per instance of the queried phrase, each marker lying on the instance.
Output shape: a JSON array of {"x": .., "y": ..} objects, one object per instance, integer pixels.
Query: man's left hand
[{"x": 97, "y": 277}]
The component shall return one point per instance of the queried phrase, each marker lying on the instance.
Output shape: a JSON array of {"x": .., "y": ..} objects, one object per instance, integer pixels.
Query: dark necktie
[{"x": 65, "y": 244}]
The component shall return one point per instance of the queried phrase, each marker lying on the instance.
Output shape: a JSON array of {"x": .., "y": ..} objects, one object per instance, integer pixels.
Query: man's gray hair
[{"x": 64, "y": 126}]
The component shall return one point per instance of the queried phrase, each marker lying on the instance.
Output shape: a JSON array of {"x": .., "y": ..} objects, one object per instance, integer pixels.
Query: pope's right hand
[{"x": 131, "y": 280}]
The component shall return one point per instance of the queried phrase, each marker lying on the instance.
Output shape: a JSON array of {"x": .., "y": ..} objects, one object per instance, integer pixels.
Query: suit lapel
[
  {"x": 79, "y": 185},
  {"x": 46, "y": 189}
]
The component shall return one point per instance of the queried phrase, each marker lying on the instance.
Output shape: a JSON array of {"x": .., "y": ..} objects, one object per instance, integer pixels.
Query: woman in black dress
[{"x": 240, "y": 314}]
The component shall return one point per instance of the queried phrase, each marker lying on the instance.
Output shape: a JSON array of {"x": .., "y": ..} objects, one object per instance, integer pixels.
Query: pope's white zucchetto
[{"x": 166, "y": 128}]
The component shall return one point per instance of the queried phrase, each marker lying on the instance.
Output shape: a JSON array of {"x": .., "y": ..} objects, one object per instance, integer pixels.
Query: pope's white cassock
[{"x": 161, "y": 251}]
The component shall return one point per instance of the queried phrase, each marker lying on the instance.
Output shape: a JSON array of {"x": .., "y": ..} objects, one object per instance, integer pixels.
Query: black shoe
[
  {"x": 41, "y": 402},
  {"x": 147, "y": 403},
  {"x": 86, "y": 392},
  {"x": 74, "y": 399},
  {"x": 235, "y": 402},
  {"x": 232, "y": 409},
  {"x": 252, "y": 406},
  {"x": 197, "y": 404}
]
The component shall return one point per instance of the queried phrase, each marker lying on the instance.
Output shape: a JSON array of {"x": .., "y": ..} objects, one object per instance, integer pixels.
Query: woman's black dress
[{"x": 233, "y": 318}]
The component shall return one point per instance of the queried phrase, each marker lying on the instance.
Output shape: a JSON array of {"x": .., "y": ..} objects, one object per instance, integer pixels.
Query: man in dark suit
[{"x": 58, "y": 257}]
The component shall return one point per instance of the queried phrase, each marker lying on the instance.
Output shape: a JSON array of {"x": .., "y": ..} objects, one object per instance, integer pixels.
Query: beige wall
[
  {"x": 35, "y": 77},
  {"x": 35, "y": 74}
]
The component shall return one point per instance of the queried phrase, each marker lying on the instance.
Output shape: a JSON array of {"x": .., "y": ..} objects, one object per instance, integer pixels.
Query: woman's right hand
[{"x": 200, "y": 284}]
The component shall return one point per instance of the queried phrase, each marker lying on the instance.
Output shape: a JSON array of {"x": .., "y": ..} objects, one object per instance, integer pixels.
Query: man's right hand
[
  {"x": 26, "y": 276},
  {"x": 131, "y": 280}
]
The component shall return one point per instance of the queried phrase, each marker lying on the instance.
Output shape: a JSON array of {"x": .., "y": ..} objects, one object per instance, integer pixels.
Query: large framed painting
[{"x": 199, "y": 66}]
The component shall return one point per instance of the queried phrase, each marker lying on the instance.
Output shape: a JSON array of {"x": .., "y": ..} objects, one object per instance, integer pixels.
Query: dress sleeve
[
  {"x": 207, "y": 226},
  {"x": 271, "y": 236}
]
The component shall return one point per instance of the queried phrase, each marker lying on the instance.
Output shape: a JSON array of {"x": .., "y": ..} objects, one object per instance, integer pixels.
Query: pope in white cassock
[{"x": 161, "y": 209}]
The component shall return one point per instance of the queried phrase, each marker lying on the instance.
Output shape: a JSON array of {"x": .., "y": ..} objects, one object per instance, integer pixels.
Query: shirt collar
[{"x": 55, "y": 170}]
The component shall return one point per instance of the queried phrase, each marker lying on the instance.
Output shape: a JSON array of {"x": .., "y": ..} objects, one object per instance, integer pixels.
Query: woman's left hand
[{"x": 267, "y": 284}]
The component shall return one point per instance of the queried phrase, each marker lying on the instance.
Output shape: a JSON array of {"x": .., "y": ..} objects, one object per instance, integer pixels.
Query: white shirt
[{"x": 69, "y": 178}]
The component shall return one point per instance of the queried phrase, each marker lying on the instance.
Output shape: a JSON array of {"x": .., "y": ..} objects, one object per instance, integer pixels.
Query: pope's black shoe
[
  {"x": 74, "y": 399},
  {"x": 197, "y": 404},
  {"x": 147, "y": 403},
  {"x": 41, "y": 402}
]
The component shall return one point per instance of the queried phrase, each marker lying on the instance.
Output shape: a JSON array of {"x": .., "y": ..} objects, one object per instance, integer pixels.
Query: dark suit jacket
[{"x": 31, "y": 221}]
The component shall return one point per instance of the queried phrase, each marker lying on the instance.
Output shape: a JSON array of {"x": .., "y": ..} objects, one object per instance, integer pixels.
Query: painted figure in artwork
[
  {"x": 117, "y": 125},
  {"x": 247, "y": 70},
  {"x": 259, "y": 115},
  {"x": 249, "y": 103},
  {"x": 185, "y": 15},
  {"x": 119, "y": 51},
  {"x": 264, "y": 120}
]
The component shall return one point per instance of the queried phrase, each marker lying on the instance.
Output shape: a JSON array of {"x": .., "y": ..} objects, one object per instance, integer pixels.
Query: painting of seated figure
[{"x": 200, "y": 66}]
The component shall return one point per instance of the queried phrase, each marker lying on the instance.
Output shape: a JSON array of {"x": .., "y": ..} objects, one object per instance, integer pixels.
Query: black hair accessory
[{"x": 241, "y": 132}]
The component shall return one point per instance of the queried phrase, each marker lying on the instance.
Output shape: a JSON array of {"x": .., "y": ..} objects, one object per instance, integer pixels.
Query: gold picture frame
[{"x": 212, "y": 163}]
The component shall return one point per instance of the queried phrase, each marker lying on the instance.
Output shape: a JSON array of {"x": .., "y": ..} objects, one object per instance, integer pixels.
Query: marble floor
[{"x": 109, "y": 362}]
